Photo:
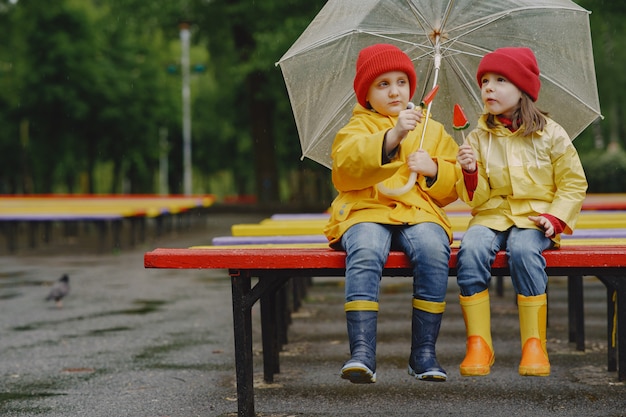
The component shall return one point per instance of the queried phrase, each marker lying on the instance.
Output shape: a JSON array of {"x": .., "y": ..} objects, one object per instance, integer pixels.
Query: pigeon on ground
[{"x": 59, "y": 290}]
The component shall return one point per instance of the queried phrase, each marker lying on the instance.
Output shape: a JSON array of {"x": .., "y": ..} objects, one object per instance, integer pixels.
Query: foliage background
[{"x": 88, "y": 89}]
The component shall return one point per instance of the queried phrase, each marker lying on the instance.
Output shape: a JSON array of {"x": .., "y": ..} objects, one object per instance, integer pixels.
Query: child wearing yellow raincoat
[
  {"x": 381, "y": 144},
  {"x": 523, "y": 179}
]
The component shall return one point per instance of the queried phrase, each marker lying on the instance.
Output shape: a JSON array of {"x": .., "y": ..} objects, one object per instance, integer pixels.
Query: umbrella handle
[
  {"x": 398, "y": 191},
  {"x": 411, "y": 181}
]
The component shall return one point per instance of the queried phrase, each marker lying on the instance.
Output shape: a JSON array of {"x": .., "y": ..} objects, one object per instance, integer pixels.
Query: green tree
[
  {"x": 609, "y": 42},
  {"x": 252, "y": 113},
  {"x": 54, "y": 79},
  {"x": 84, "y": 84},
  {"x": 87, "y": 86},
  {"x": 11, "y": 154}
]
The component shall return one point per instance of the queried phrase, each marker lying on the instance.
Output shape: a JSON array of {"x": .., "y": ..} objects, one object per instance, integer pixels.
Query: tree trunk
[{"x": 266, "y": 176}]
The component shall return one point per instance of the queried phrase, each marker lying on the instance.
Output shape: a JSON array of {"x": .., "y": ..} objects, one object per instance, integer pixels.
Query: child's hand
[
  {"x": 421, "y": 163},
  {"x": 543, "y": 223},
  {"x": 466, "y": 157},
  {"x": 407, "y": 120}
]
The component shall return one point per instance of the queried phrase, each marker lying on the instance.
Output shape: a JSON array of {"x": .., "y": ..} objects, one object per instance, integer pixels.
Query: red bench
[{"x": 273, "y": 267}]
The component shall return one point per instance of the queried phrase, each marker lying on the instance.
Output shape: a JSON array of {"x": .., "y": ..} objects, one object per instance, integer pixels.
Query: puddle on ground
[
  {"x": 143, "y": 307},
  {"x": 166, "y": 355},
  {"x": 140, "y": 307},
  {"x": 99, "y": 332},
  {"x": 15, "y": 399},
  {"x": 10, "y": 396},
  {"x": 10, "y": 295},
  {"x": 11, "y": 274},
  {"x": 24, "y": 283},
  {"x": 177, "y": 342}
]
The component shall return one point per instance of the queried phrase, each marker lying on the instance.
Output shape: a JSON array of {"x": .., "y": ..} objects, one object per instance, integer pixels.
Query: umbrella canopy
[{"x": 446, "y": 40}]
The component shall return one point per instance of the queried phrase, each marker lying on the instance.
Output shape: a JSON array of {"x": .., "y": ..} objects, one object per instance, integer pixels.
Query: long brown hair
[{"x": 527, "y": 114}]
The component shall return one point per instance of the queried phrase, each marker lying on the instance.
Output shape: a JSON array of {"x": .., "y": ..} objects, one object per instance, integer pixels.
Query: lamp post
[
  {"x": 186, "y": 95},
  {"x": 163, "y": 162}
]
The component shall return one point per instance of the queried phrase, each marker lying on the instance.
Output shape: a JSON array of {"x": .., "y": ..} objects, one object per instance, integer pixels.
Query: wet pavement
[{"x": 132, "y": 342}]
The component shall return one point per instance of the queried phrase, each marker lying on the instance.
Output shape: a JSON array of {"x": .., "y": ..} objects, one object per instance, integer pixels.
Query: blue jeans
[
  {"x": 367, "y": 246},
  {"x": 523, "y": 249}
]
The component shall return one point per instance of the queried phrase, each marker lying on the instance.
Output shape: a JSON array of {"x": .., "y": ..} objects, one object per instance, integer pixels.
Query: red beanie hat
[
  {"x": 376, "y": 60},
  {"x": 518, "y": 65}
]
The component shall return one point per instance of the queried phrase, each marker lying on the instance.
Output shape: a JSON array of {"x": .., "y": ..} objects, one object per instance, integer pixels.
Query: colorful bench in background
[{"x": 101, "y": 210}]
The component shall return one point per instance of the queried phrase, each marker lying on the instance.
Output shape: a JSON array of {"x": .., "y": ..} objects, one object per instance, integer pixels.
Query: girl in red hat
[
  {"x": 381, "y": 143},
  {"x": 523, "y": 179}
]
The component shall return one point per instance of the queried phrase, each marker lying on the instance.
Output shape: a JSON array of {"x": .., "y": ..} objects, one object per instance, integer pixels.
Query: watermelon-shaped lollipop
[
  {"x": 459, "y": 122},
  {"x": 429, "y": 97}
]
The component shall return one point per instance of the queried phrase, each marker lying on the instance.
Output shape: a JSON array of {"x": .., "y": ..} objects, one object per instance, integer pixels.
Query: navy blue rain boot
[
  {"x": 361, "y": 368},
  {"x": 423, "y": 364}
]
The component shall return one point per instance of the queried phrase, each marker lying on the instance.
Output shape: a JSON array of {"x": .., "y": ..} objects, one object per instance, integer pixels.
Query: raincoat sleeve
[
  {"x": 482, "y": 192},
  {"x": 357, "y": 154},
  {"x": 569, "y": 179},
  {"x": 442, "y": 149}
]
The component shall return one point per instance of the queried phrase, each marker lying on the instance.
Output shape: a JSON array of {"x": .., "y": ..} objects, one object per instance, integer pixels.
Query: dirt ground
[{"x": 133, "y": 342}]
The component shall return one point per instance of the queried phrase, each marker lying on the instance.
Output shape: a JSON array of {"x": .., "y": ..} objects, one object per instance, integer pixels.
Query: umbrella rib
[
  {"x": 468, "y": 87},
  {"x": 571, "y": 94},
  {"x": 321, "y": 42},
  {"x": 476, "y": 24},
  {"x": 489, "y": 19},
  {"x": 422, "y": 20}
]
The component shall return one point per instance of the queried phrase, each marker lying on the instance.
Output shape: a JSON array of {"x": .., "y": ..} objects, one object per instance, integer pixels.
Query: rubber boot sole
[
  {"x": 430, "y": 376},
  {"x": 358, "y": 373}
]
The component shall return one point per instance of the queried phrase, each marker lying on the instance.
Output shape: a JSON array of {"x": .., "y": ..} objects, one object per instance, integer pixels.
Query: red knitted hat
[
  {"x": 376, "y": 60},
  {"x": 518, "y": 65}
]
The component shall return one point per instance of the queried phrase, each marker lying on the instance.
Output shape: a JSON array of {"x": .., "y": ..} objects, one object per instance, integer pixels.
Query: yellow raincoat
[
  {"x": 521, "y": 176},
  {"x": 358, "y": 167}
]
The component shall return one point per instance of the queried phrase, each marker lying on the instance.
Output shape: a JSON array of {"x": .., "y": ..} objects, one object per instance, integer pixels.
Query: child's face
[
  {"x": 501, "y": 97},
  {"x": 390, "y": 92}
]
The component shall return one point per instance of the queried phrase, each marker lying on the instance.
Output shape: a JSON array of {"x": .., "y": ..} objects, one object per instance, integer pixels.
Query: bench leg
[
  {"x": 270, "y": 336},
  {"x": 500, "y": 286},
  {"x": 619, "y": 327},
  {"x": 271, "y": 290},
  {"x": 575, "y": 309},
  {"x": 611, "y": 310},
  {"x": 11, "y": 228},
  {"x": 244, "y": 297},
  {"x": 116, "y": 227},
  {"x": 242, "y": 325},
  {"x": 283, "y": 313},
  {"x": 32, "y": 234},
  {"x": 616, "y": 290}
]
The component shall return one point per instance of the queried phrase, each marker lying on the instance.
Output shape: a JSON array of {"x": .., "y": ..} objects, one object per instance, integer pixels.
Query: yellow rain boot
[
  {"x": 479, "y": 355},
  {"x": 532, "y": 322}
]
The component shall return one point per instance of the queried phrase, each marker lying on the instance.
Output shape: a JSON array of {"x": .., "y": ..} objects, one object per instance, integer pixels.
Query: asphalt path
[{"x": 133, "y": 342}]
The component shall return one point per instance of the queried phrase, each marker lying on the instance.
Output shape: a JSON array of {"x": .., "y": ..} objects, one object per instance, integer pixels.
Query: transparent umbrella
[{"x": 446, "y": 40}]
